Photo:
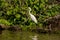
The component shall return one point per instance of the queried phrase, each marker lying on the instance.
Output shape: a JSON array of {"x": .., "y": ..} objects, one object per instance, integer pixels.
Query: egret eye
[{"x": 29, "y": 8}]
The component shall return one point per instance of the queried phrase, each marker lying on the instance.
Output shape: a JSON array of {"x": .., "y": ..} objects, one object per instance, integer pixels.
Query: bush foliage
[{"x": 15, "y": 12}]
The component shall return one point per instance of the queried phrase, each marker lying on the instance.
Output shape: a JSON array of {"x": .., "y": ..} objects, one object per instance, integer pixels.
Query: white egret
[{"x": 32, "y": 16}]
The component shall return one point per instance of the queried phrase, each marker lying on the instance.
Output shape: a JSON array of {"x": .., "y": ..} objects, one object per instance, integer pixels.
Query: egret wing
[{"x": 33, "y": 18}]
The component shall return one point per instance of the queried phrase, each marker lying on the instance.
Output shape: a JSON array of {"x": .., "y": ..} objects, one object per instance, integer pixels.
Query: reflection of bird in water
[
  {"x": 32, "y": 16},
  {"x": 35, "y": 38}
]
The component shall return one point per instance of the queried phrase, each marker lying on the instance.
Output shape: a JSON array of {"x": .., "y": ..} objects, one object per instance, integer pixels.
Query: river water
[{"x": 26, "y": 35}]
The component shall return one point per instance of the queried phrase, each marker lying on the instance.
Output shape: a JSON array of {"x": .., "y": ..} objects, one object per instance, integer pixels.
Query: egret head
[{"x": 29, "y": 8}]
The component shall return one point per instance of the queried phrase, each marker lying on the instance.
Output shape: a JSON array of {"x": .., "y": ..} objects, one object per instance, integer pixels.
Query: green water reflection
[{"x": 24, "y": 35}]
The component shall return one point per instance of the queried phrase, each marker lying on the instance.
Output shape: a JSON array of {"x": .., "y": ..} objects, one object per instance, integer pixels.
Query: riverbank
[{"x": 17, "y": 28}]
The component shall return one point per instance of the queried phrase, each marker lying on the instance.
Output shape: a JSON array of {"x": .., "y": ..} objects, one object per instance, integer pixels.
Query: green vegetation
[{"x": 15, "y": 12}]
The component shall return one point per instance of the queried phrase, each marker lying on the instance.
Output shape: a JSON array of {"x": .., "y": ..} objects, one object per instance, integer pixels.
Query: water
[{"x": 25, "y": 35}]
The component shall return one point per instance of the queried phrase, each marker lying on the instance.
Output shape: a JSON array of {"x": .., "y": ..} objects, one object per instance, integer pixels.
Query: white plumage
[{"x": 32, "y": 16}]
